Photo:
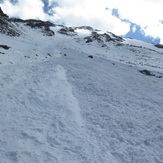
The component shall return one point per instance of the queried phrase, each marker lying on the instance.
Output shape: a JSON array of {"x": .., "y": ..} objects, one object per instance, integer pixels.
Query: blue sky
[{"x": 139, "y": 19}]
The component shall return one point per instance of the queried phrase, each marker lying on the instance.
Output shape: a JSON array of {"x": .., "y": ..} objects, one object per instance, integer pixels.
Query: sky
[{"x": 139, "y": 19}]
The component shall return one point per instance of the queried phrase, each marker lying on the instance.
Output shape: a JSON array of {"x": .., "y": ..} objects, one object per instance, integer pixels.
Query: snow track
[
  {"x": 45, "y": 123},
  {"x": 43, "y": 116},
  {"x": 121, "y": 107}
]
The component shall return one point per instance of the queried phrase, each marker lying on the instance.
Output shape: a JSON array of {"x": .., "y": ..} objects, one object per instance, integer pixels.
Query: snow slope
[{"x": 58, "y": 105}]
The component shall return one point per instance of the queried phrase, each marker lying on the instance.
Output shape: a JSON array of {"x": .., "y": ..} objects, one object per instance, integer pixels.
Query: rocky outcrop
[
  {"x": 85, "y": 28},
  {"x": 2, "y": 14},
  {"x": 43, "y": 25},
  {"x": 115, "y": 37},
  {"x": 69, "y": 31},
  {"x": 6, "y": 26},
  {"x": 101, "y": 38},
  {"x": 10, "y": 26},
  {"x": 159, "y": 45}
]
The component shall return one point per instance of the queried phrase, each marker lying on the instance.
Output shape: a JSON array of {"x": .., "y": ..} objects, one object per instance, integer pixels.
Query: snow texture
[{"x": 58, "y": 105}]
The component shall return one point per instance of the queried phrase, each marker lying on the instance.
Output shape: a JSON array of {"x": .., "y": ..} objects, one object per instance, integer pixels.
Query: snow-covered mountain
[{"x": 78, "y": 95}]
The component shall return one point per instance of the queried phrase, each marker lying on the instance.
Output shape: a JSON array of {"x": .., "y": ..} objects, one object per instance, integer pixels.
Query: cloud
[
  {"x": 92, "y": 13},
  {"x": 99, "y": 14},
  {"x": 145, "y": 13},
  {"x": 141, "y": 12},
  {"x": 24, "y": 9},
  {"x": 155, "y": 31},
  {"x": 69, "y": 12}
]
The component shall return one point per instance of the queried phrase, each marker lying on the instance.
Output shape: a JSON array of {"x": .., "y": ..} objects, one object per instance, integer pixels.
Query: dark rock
[
  {"x": 94, "y": 36},
  {"x": 107, "y": 37},
  {"x": 27, "y": 56},
  {"x": 104, "y": 45},
  {"x": 2, "y": 14},
  {"x": 147, "y": 72},
  {"x": 85, "y": 27},
  {"x": 159, "y": 45},
  {"x": 5, "y": 47},
  {"x": 100, "y": 38},
  {"x": 119, "y": 44},
  {"x": 49, "y": 54},
  {"x": 63, "y": 31},
  {"x": 69, "y": 31},
  {"x": 38, "y": 24},
  {"x": 88, "y": 39},
  {"x": 116, "y": 38},
  {"x": 7, "y": 27},
  {"x": 16, "y": 20},
  {"x": 90, "y": 56}
]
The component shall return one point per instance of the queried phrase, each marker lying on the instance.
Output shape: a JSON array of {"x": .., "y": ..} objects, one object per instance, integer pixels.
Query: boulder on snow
[
  {"x": 5, "y": 47},
  {"x": 159, "y": 45},
  {"x": 146, "y": 72},
  {"x": 149, "y": 73},
  {"x": 90, "y": 56}
]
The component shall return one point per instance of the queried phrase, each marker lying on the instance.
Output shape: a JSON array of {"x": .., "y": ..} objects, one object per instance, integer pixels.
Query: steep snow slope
[{"x": 58, "y": 105}]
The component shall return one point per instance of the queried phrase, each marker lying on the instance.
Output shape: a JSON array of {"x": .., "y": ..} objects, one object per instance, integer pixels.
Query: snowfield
[{"x": 63, "y": 100}]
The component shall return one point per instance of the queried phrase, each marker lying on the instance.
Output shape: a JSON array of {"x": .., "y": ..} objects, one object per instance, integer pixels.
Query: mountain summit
[{"x": 78, "y": 95}]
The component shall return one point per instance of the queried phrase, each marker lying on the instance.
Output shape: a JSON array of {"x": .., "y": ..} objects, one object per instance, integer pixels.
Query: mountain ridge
[{"x": 16, "y": 27}]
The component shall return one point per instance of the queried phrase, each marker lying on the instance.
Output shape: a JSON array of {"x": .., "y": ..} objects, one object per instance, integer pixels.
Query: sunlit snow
[{"x": 57, "y": 105}]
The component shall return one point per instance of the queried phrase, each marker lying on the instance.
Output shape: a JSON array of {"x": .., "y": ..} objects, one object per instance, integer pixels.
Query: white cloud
[
  {"x": 141, "y": 12},
  {"x": 90, "y": 13},
  {"x": 24, "y": 9},
  {"x": 155, "y": 31},
  {"x": 71, "y": 12},
  {"x": 146, "y": 13}
]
